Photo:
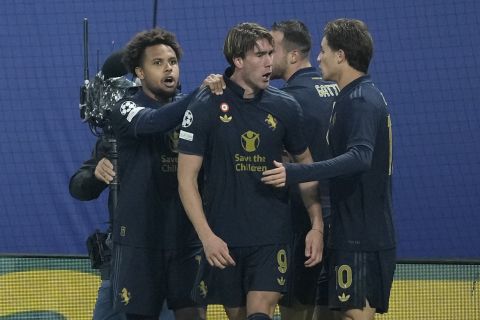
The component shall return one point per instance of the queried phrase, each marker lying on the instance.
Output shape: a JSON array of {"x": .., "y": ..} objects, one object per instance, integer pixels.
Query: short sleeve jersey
[
  {"x": 239, "y": 139},
  {"x": 362, "y": 202},
  {"x": 149, "y": 211},
  {"x": 315, "y": 96}
]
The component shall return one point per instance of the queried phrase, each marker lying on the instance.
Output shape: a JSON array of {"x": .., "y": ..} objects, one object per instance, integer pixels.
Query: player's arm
[
  {"x": 314, "y": 239},
  {"x": 84, "y": 184},
  {"x": 137, "y": 120},
  {"x": 216, "y": 250},
  {"x": 152, "y": 121},
  {"x": 361, "y": 132},
  {"x": 358, "y": 158}
]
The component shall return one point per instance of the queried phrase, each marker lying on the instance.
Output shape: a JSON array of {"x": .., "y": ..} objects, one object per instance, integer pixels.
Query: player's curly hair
[
  {"x": 351, "y": 36},
  {"x": 134, "y": 53},
  {"x": 242, "y": 38}
]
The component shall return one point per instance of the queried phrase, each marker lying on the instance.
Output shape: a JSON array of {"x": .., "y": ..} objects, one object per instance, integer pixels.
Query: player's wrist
[{"x": 318, "y": 230}]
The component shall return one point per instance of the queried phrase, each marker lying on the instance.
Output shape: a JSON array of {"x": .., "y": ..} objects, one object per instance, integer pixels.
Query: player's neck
[
  {"x": 347, "y": 76},
  {"x": 160, "y": 98},
  {"x": 249, "y": 91},
  {"x": 292, "y": 68}
]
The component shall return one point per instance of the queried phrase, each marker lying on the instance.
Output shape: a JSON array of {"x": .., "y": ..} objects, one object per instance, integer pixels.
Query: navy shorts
[
  {"x": 143, "y": 278},
  {"x": 182, "y": 268},
  {"x": 138, "y": 280},
  {"x": 356, "y": 276},
  {"x": 304, "y": 282},
  {"x": 260, "y": 268}
]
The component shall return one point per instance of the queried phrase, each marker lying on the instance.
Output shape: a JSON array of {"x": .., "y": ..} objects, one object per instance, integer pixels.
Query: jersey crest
[{"x": 271, "y": 121}]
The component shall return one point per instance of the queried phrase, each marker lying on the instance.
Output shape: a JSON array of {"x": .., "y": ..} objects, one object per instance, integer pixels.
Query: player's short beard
[
  {"x": 276, "y": 74},
  {"x": 278, "y": 70},
  {"x": 164, "y": 95}
]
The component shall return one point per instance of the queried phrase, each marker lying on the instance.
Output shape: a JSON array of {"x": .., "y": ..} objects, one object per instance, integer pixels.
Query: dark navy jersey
[
  {"x": 239, "y": 139},
  {"x": 315, "y": 96},
  {"x": 149, "y": 212},
  {"x": 362, "y": 202}
]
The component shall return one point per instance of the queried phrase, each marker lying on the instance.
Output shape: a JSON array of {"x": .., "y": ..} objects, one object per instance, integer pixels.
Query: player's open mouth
[
  {"x": 169, "y": 82},
  {"x": 266, "y": 76}
]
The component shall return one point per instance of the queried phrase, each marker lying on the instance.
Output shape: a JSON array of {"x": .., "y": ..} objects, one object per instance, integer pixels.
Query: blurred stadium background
[{"x": 426, "y": 63}]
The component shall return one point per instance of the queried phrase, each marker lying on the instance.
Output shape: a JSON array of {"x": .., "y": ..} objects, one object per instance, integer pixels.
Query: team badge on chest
[{"x": 271, "y": 121}]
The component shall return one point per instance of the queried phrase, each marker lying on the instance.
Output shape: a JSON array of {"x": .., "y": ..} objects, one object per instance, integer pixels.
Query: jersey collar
[
  {"x": 311, "y": 71},
  {"x": 239, "y": 91},
  {"x": 346, "y": 90},
  {"x": 147, "y": 101}
]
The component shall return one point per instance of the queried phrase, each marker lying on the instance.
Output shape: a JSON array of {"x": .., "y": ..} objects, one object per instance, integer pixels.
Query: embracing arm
[
  {"x": 169, "y": 116},
  {"x": 163, "y": 119}
]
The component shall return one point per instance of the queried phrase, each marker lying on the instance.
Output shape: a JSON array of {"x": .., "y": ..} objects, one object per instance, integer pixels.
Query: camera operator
[{"x": 86, "y": 184}]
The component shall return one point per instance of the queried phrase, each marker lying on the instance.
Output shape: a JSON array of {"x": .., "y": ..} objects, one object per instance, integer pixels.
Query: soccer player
[
  {"x": 291, "y": 62},
  {"x": 155, "y": 246},
  {"x": 244, "y": 225},
  {"x": 361, "y": 255}
]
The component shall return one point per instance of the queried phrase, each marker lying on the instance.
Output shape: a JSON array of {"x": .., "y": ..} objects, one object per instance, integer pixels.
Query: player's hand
[
  {"x": 216, "y": 252},
  {"x": 275, "y": 177},
  {"x": 313, "y": 247},
  {"x": 215, "y": 83},
  {"x": 104, "y": 171}
]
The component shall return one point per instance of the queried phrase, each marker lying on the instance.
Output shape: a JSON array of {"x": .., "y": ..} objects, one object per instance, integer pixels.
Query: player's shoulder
[
  {"x": 367, "y": 92},
  {"x": 127, "y": 108},
  {"x": 204, "y": 95},
  {"x": 204, "y": 102},
  {"x": 179, "y": 95},
  {"x": 126, "y": 105},
  {"x": 279, "y": 95},
  {"x": 129, "y": 100}
]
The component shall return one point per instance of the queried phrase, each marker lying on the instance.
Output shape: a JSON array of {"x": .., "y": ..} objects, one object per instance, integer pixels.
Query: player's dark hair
[
  {"x": 242, "y": 38},
  {"x": 353, "y": 38},
  {"x": 295, "y": 36},
  {"x": 134, "y": 52}
]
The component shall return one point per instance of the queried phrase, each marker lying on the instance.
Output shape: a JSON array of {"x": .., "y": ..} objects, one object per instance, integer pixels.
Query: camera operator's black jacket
[{"x": 84, "y": 185}]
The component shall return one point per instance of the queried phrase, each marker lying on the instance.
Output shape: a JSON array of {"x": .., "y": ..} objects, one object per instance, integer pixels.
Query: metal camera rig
[{"x": 97, "y": 98}]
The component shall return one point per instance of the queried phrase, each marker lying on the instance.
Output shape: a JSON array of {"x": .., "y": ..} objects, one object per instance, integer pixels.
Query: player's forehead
[
  {"x": 159, "y": 51},
  {"x": 262, "y": 45},
  {"x": 324, "y": 43}
]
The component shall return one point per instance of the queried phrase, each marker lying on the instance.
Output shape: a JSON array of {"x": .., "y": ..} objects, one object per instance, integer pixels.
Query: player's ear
[
  {"x": 340, "y": 54},
  {"x": 238, "y": 62},
  {"x": 293, "y": 56},
  {"x": 139, "y": 73}
]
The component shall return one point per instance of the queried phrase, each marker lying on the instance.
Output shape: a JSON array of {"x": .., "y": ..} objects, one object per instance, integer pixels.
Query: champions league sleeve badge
[
  {"x": 126, "y": 107},
  {"x": 187, "y": 119},
  {"x": 130, "y": 109}
]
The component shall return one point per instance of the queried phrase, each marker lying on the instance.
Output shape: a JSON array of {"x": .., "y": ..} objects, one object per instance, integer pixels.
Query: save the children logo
[{"x": 250, "y": 141}]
